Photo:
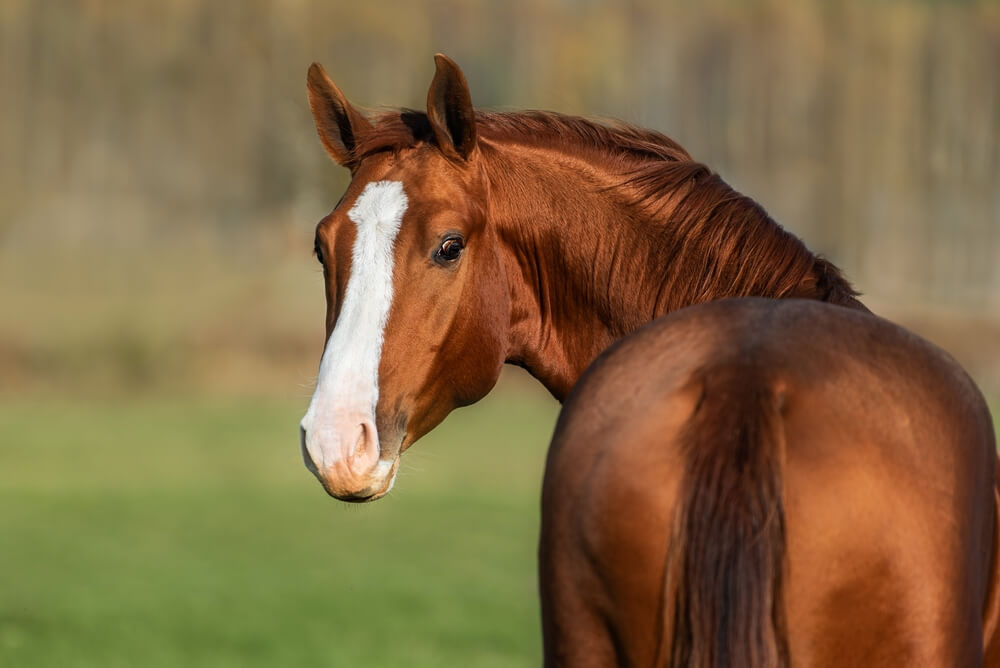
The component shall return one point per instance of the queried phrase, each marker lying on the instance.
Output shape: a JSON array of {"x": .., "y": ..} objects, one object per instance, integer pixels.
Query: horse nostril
[
  {"x": 306, "y": 457},
  {"x": 362, "y": 455},
  {"x": 361, "y": 442}
]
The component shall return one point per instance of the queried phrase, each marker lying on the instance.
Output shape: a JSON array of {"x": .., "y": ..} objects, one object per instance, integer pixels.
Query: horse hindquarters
[
  {"x": 704, "y": 454},
  {"x": 664, "y": 544}
]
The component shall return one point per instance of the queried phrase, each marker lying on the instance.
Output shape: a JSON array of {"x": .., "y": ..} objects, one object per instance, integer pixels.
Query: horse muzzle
[{"x": 347, "y": 461}]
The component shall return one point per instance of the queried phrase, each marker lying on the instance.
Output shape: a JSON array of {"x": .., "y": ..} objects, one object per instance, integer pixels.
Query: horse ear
[
  {"x": 449, "y": 109},
  {"x": 340, "y": 125}
]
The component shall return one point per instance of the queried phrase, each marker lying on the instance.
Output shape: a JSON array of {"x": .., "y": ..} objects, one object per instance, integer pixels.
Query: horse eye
[
  {"x": 318, "y": 251},
  {"x": 450, "y": 249}
]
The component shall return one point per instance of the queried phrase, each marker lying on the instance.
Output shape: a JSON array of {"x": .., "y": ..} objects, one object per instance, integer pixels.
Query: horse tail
[{"x": 723, "y": 603}]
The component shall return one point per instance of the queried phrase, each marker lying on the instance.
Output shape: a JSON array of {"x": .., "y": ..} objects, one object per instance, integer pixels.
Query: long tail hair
[{"x": 723, "y": 603}]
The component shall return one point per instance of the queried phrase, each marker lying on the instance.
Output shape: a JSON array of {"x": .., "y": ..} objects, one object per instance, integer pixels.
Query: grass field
[{"x": 186, "y": 532}]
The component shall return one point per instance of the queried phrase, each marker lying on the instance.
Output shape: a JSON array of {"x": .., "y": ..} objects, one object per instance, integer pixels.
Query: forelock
[{"x": 394, "y": 131}]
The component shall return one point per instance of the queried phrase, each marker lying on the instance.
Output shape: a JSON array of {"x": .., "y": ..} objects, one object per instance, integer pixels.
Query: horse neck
[{"x": 589, "y": 259}]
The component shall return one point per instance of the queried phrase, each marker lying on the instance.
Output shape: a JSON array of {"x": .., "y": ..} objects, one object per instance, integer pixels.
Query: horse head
[{"x": 417, "y": 310}]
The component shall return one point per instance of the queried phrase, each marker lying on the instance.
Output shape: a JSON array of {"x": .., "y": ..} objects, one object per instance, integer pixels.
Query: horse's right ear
[
  {"x": 340, "y": 125},
  {"x": 449, "y": 109}
]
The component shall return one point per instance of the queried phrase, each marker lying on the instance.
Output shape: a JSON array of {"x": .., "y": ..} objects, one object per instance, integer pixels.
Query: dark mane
[
  {"x": 743, "y": 251},
  {"x": 723, "y": 243}
]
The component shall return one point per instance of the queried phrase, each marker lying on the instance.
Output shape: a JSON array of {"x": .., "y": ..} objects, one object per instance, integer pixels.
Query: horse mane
[
  {"x": 405, "y": 128},
  {"x": 720, "y": 242},
  {"x": 724, "y": 244}
]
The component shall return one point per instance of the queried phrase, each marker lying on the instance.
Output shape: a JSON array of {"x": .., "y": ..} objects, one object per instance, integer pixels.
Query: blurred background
[{"x": 161, "y": 314}]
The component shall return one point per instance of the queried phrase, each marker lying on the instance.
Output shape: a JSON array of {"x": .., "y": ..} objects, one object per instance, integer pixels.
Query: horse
[
  {"x": 758, "y": 482},
  {"x": 469, "y": 239}
]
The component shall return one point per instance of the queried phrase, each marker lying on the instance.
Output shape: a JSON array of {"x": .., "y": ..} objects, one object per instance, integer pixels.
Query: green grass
[{"x": 188, "y": 533}]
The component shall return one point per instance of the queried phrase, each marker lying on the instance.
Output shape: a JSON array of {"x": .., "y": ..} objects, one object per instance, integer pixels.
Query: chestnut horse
[
  {"x": 469, "y": 239},
  {"x": 760, "y": 482}
]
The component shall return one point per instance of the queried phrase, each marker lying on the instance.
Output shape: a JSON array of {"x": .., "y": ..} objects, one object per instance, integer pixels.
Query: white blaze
[{"x": 347, "y": 388}]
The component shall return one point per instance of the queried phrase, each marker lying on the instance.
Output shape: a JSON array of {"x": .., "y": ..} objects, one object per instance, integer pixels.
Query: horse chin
[{"x": 389, "y": 483}]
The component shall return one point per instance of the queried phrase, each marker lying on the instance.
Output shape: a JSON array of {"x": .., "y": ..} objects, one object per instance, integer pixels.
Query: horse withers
[{"x": 758, "y": 482}]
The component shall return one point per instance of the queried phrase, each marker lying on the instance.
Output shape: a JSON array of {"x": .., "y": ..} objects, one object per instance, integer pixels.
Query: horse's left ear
[{"x": 449, "y": 110}]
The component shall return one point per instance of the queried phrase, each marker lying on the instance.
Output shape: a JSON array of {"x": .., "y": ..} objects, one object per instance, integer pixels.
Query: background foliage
[{"x": 160, "y": 173}]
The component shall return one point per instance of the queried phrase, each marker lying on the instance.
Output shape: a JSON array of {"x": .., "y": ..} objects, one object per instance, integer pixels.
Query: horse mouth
[{"x": 365, "y": 497}]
